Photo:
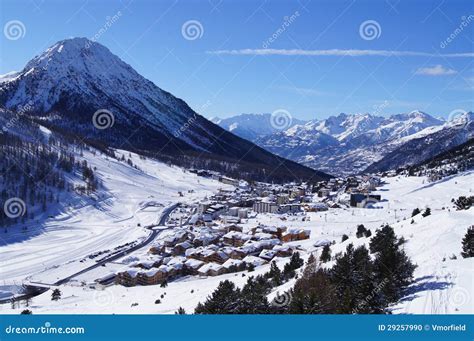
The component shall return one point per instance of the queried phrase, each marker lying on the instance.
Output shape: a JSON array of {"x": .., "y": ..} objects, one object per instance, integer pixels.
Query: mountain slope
[
  {"x": 76, "y": 78},
  {"x": 417, "y": 150}
]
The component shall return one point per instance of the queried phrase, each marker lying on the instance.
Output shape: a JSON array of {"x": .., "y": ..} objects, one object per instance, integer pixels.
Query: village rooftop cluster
[{"x": 208, "y": 238}]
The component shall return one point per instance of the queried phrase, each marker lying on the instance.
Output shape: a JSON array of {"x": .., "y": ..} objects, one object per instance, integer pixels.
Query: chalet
[
  {"x": 127, "y": 278},
  {"x": 216, "y": 257},
  {"x": 255, "y": 261},
  {"x": 234, "y": 265},
  {"x": 181, "y": 248},
  {"x": 267, "y": 255},
  {"x": 238, "y": 253},
  {"x": 235, "y": 238},
  {"x": 295, "y": 234},
  {"x": 152, "y": 277},
  {"x": 192, "y": 265},
  {"x": 282, "y": 250},
  {"x": 211, "y": 269}
]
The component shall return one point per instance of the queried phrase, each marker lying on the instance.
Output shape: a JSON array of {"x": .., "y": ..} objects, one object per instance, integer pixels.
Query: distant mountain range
[
  {"x": 80, "y": 88},
  {"x": 252, "y": 126},
  {"x": 348, "y": 144}
]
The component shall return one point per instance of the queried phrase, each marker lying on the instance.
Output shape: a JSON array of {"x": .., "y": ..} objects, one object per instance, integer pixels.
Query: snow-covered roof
[
  {"x": 230, "y": 262},
  {"x": 256, "y": 261},
  {"x": 210, "y": 267}
]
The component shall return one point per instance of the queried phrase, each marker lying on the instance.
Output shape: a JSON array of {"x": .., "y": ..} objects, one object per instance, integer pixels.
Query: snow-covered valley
[{"x": 132, "y": 199}]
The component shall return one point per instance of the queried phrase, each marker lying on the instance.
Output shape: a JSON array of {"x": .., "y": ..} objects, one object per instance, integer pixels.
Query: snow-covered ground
[
  {"x": 130, "y": 200},
  {"x": 444, "y": 281}
]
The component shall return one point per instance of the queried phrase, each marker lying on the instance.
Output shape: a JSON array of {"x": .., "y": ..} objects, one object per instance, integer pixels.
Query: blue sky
[{"x": 311, "y": 58}]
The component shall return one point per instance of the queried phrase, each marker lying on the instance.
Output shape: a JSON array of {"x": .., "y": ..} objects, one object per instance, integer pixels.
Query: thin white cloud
[
  {"x": 338, "y": 52},
  {"x": 437, "y": 70}
]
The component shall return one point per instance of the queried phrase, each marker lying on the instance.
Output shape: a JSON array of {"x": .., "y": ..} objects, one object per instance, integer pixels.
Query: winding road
[{"x": 39, "y": 288}]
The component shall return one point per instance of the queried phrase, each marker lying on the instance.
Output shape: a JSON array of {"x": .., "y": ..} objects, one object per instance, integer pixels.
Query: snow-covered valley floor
[{"x": 444, "y": 281}]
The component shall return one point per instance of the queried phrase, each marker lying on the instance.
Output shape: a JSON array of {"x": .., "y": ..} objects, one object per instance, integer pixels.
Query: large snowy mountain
[
  {"x": 78, "y": 87},
  {"x": 348, "y": 144}
]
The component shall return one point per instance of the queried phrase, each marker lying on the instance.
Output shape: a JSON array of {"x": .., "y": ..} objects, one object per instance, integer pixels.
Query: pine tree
[
  {"x": 468, "y": 243},
  {"x": 56, "y": 295},
  {"x": 393, "y": 269},
  {"x": 253, "y": 297},
  {"x": 26, "y": 312},
  {"x": 313, "y": 293},
  {"x": 382, "y": 239},
  {"x": 325, "y": 254},
  {"x": 275, "y": 274},
  {"x": 427, "y": 212},
  {"x": 344, "y": 238},
  {"x": 224, "y": 300},
  {"x": 180, "y": 311},
  {"x": 360, "y": 231},
  {"x": 415, "y": 212},
  {"x": 353, "y": 278}
]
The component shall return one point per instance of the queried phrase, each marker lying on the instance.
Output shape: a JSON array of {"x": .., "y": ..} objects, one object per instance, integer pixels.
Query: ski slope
[{"x": 129, "y": 200}]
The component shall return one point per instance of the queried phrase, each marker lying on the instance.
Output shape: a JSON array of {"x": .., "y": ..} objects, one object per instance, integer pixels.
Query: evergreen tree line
[
  {"x": 34, "y": 172},
  {"x": 362, "y": 281},
  {"x": 252, "y": 298}
]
